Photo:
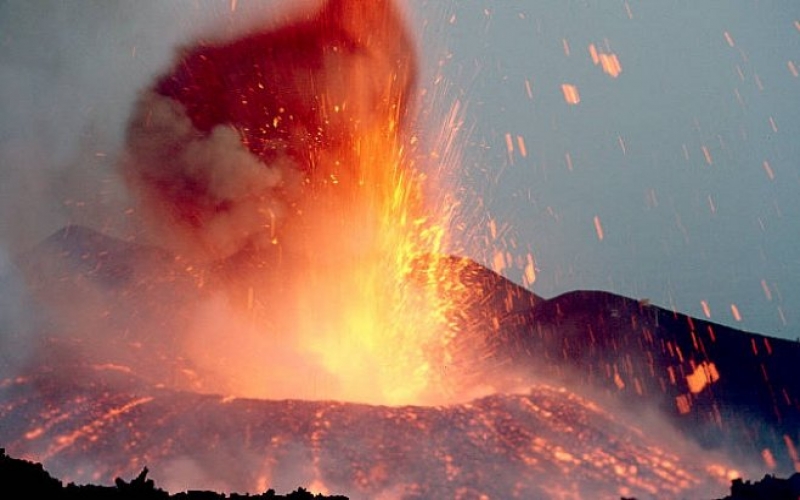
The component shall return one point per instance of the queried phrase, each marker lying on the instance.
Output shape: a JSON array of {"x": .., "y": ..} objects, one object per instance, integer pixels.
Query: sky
[{"x": 672, "y": 179}]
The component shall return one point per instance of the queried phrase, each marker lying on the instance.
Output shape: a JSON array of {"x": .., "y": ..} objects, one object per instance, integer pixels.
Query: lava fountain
[
  {"x": 288, "y": 149},
  {"x": 287, "y": 253}
]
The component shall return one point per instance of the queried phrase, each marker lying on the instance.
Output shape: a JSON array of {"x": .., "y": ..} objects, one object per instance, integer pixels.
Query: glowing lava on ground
[{"x": 547, "y": 443}]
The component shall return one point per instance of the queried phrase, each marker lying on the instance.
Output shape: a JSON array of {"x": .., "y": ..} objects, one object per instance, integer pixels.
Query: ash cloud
[
  {"x": 202, "y": 193},
  {"x": 71, "y": 76}
]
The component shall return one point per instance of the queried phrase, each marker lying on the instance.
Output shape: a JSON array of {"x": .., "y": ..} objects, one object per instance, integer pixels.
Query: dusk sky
[
  {"x": 674, "y": 178},
  {"x": 685, "y": 157}
]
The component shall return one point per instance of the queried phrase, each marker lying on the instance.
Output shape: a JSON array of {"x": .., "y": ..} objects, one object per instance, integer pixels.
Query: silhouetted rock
[
  {"x": 768, "y": 488},
  {"x": 24, "y": 479}
]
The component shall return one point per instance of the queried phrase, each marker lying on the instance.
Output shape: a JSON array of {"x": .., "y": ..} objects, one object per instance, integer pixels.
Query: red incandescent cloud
[{"x": 288, "y": 317}]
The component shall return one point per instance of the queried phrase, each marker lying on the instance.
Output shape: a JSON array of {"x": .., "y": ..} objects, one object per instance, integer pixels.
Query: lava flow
[{"x": 286, "y": 317}]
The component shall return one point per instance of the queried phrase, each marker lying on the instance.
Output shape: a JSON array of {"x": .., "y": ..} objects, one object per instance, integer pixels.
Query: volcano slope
[{"x": 105, "y": 390}]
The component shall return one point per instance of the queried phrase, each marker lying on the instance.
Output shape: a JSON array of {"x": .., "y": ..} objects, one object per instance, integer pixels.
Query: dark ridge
[
  {"x": 644, "y": 356},
  {"x": 24, "y": 479},
  {"x": 107, "y": 261}
]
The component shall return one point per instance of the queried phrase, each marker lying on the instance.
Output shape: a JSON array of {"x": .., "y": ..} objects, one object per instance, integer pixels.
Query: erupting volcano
[{"x": 287, "y": 317}]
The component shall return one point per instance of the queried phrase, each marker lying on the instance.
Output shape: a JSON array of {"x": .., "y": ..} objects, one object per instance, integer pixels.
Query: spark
[
  {"x": 792, "y": 449},
  {"x": 610, "y": 65},
  {"x": 793, "y": 68},
  {"x": 769, "y": 459},
  {"x": 529, "y": 88},
  {"x": 736, "y": 314},
  {"x": 703, "y": 375},
  {"x": 523, "y": 151},
  {"x": 707, "y": 155},
  {"x": 598, "y": 228},
  {"x": 767, "y": 291},
  {"x": 609, "y": 62},
  {"x": 706, "y": 308},
  {"x": 593, "y": 54},
  {"x": 768, "y": 170},
  {"x": 529, "y": 275},
  {"x": 571, "y": 95},
  {"x": 729, "y": 39},
  {"x": 628, "y": 10},
  {"x": 772, "y": 124},
  {"x": 758, "y": 82}
]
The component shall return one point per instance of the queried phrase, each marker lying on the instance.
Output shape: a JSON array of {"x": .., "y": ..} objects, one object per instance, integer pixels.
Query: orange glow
[
  {"x": 769, "y": 459},
  {"x": 610, "y": 65},
  {"x": 598, "y": 227},
  {"x": 628, "y": 10},
  {"x": 387, "y": 339},
  {"x": 608, "y": 62},
  {"x": 529, "y": 276},
  {"x": 568, "y": 159},
  {"x": 707, "y": 155},
  {"x": 769, "y": 172},
  {"x": 523, "y": 151},
  {"x": 706, "y": 308},
  {"x": 792, "y": 68},
  {"x": 729, "y": 39},
  {"x": 529, "y": 88},
  {"x": 618, "y": 381},
  {"x": 570, "y": 93},
  {"x": 792, "y": 451},
  {"x": 703, "y": 375},
  {"x": 735, "y": 311},
  {"x": 366, "y": 313},
  {"x": 684, "y": 404}
]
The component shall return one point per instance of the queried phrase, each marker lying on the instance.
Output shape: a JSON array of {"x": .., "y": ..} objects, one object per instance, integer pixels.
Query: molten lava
[{"x": 287, "y": 149}]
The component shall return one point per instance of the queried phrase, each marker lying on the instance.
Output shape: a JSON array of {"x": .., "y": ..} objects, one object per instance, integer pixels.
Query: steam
[
  {"x": 71, "y": 79},
  {"x": 210, "y": 187}
]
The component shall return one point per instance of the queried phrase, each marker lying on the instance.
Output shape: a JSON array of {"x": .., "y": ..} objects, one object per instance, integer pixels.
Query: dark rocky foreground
[{"x": 24, "y": 479}]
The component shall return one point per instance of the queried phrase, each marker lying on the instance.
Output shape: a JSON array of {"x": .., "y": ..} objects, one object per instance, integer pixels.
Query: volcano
[
  {"x": 286, "y": 312},
  {"x": 590, "y": 376}
]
